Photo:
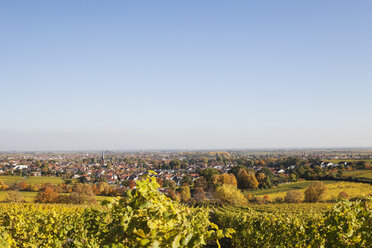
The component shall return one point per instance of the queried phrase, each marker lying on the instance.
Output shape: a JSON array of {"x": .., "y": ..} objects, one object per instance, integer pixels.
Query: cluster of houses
[{"x": 113, "y": 173}]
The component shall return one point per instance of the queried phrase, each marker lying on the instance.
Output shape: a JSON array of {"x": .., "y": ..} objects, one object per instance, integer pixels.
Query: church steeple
[{"x": 103, "y": 160}]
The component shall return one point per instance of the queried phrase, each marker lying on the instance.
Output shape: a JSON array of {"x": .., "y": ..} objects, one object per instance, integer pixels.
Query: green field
[{"x": 9, "y": 180}]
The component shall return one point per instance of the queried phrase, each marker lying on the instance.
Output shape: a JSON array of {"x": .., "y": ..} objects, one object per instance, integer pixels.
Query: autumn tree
[
  {"x": 199, "y": 194},
  {"x": 227, "y": 178},
  {"x": 229, "y": 194},
  {"x": 201, "y": 182},
  {"x": 47, "y": 195},
  {"x": 185, "y": 193},
  {"x": 247, "y": 180},
  {"x": 82, "y": 194}
]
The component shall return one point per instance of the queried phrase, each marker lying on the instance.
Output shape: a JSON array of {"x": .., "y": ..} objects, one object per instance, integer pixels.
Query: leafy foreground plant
[{"x": 144, "y": 218}]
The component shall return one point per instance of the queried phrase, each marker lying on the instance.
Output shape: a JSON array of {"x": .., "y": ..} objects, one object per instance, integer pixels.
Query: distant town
[{"x": 119, "y": 168}]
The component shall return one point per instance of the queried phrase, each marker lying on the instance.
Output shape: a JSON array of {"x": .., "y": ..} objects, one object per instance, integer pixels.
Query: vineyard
[
  {"x": 344, "y": 225},
  {"x": 333, "y": 189},
  {"x": 364, "y": 174},
  {"x": 146, "y": 218},
  {"x": 319, "y": 207}
]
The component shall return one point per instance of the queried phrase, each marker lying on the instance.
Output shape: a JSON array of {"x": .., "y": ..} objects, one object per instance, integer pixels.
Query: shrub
[
  {"x": 229, "y": 194},
  {"x": 82, "y": 194},
  {"x": 293, "y": 196},
  {"x": 343, "y": 195},
  {"x": 13, "y": 197},
  {"x": 259, "y": 200},
  {"x": 314, "y": 192},
  {"x": 47, "y": 195},
  {"x": 279, "y": 199},
  {"x": 3, "y": 186}
]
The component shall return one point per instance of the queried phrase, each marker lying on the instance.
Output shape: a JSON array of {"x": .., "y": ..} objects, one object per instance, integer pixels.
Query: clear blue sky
[{"x": 185, "y": 74}]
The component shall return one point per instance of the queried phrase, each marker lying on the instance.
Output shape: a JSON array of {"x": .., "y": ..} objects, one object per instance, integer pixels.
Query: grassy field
[
  {"x": 9, "y": 180},
  {"x": 333, "y": 189}
]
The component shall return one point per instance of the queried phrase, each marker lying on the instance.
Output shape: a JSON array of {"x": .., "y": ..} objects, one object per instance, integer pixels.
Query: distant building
[{"x": 20, "y": 167}]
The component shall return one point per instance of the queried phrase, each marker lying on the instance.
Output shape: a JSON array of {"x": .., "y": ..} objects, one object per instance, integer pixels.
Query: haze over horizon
[{"x": 117, "y": 75}]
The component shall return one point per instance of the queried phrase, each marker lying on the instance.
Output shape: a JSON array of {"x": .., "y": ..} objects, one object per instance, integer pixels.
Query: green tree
[{"x": 175, "y": 164}]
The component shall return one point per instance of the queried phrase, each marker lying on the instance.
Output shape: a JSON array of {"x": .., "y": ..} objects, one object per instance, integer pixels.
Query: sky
[{"x": 93, "y": 75}]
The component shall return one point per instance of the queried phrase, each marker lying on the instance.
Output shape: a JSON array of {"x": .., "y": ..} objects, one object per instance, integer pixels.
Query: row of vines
[{"x": 346, "y": 224}]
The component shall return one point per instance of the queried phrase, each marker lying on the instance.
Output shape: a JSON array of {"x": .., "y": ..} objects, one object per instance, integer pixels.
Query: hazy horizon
[{"x": 129, "y": 75}]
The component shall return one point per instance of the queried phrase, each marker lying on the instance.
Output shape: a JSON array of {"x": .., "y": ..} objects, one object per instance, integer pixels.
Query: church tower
[{"x": 103, "y": 160}]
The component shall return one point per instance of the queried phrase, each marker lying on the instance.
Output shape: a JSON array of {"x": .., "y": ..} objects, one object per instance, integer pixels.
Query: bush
[
  {"x": 13, "y": 197},
  {"x": 343, "y": 195},
  {"x": 293, "y": 196},
  {"x": 259, "y": 200},
  {"x": 314, "y": 192},
  {"x": 3, "y": 186},
  {"x": 279, "y": 199},
  {"x": 229, "y": 194},
  {"x": 82, "y": 194},
  {"x": 47, "y": 195}
]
